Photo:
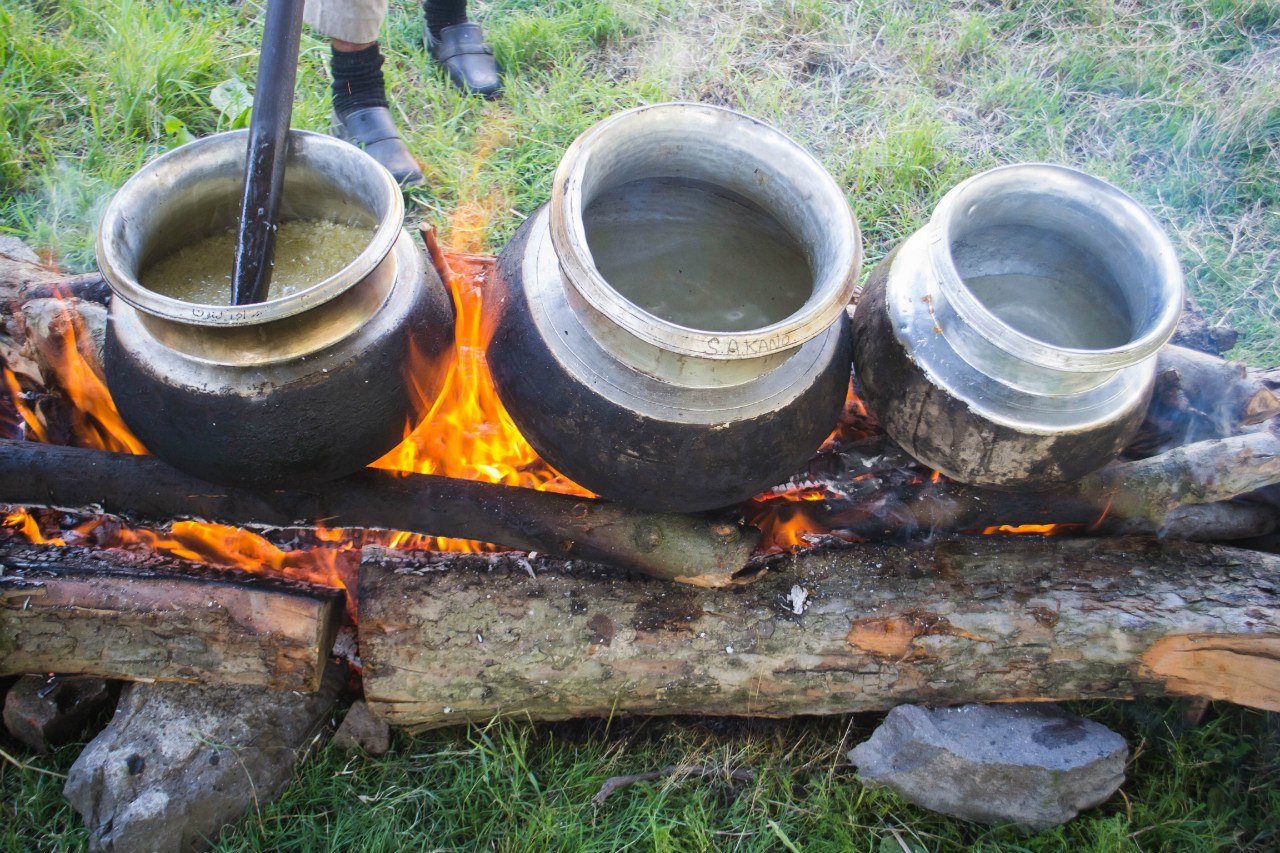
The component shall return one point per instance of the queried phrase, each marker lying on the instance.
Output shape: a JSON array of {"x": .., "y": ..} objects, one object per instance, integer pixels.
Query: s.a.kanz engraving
[{"x": 750, "y": 346}]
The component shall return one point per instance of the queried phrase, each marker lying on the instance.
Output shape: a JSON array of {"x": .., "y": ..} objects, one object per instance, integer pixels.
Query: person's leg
[
  {"x": 360, "y": 110},
  {"x": 459, "y": 46}
]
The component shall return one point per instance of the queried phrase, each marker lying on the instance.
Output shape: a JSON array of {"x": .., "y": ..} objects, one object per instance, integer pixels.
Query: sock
[
  {"x": 444, "y": 13},
  {"x": 357, "y": 80}
]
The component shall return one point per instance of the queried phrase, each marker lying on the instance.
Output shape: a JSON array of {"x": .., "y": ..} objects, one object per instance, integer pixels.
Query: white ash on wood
[{"x": 971, "y": 620}]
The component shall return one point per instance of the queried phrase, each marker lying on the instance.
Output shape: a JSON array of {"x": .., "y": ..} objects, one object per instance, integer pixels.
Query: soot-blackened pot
[
  {"x": 1010, "y": 343},
  {"x": 670, "y": 330},
  {"x": 299, "y": 389}
]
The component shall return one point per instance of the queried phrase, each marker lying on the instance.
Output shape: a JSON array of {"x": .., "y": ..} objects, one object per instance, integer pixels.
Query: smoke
[{"x": 60, "y": 215}]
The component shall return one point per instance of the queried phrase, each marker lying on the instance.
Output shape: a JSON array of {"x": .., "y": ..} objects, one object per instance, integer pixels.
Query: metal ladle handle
[{"x": 268, "y": 150}]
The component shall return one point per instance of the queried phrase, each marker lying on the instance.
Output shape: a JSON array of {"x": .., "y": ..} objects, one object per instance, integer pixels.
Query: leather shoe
[
  {"x": 469, "y": 62},
  {"x": 373, "y": 129}
]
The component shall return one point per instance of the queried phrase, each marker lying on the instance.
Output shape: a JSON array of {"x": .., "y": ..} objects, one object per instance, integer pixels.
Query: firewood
[
  {"x": 1199, "y": 473},
  {"x": 1199, "y": 397},
  {"x": 865, "y": 628},
  {"x": 115, "y": 615},
  {"x": 1183, "y": 493},
  {"x": 690, "y": 549},
  {"x": 23, "y": 277}
]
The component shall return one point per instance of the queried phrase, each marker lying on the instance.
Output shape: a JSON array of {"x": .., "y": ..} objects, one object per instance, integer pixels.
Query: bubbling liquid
[
  {"x": 697, "y": 255},
  {"x": 307, "y": 252}
]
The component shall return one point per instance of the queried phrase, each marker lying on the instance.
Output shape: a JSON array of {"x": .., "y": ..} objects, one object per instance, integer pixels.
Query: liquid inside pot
[
  {"x": 307, "y": 251},
  {"x": 1044, "y": 286},
  {"x": 697, "y": 255}
]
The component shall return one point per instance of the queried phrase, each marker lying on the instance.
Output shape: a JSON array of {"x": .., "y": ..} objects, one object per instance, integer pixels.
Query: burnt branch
[{"x": 685, "y": 548}]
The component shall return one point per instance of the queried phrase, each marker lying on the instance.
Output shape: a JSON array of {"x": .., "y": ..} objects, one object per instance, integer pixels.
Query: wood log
[
  {"x": 1199, "y": 473},
  {"x": 880, "y": 494},
  {"x": 865, "y": 628},
  {"x": 116, "y": 615},
  {"x": 1200, "y": 397},
  {"x": 685, "y": 548}
]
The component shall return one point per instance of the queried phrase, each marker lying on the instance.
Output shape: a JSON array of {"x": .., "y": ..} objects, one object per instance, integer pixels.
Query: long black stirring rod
[{"x": 268, "y": 150}]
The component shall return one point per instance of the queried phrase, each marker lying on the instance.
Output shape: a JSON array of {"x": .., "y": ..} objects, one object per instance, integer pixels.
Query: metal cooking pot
[
  {"x": 1011, "y": 341},
  {"x": 302, "y": 388},
  {"x": 670, "y": 330}
]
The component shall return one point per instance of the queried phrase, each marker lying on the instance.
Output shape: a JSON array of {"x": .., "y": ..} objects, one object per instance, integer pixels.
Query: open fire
[{"x": 464, "y": 433}]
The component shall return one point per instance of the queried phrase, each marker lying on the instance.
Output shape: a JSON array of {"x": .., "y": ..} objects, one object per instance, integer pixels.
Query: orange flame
[
  {"x": 25, "y": 524},
  {"x": 785, "y": 527},
  {"x": 467, "y": 432},
  {"x": 95, "y": 422},
  {"x": 1031, "y": 529}
]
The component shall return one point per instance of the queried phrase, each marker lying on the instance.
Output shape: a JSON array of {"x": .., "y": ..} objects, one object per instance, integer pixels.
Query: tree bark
[
  {"x": 685, "y": 548},
  {"x": 111, "y": 614},
  {"x": 1200, "y": 473},
  {"x": 1200, "y": 397},
  {"x": 1184, "y": 493},
  {"x": 867, "y": 628}
]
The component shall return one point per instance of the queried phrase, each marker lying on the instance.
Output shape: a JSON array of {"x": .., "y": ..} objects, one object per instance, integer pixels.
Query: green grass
[
  {"x": 517, "y": 787},
  {"x": 1176, "y": 102}
]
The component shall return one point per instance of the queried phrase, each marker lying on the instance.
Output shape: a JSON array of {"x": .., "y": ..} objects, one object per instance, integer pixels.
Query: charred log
[
  {"x": 859, "y": 629},
  {"x": 878, "y": 493},
  {"x": 677, "y": 547},
  {"x": 116, "y": 615}
]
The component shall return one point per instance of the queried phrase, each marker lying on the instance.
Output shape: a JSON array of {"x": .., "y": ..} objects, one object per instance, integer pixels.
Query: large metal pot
[
  {"x": 301, "y": 388},
  {"x": 1011, "y": 341},
  {"x": 620, "y": 379}
]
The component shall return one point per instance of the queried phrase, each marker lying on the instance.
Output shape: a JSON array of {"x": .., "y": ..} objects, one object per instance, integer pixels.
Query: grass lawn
[{"x": 1176, "y": 102}]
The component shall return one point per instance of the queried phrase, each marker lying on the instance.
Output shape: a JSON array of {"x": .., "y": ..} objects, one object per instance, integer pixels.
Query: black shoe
[
  {"x": 468, "y": 61},
  {"x": 373, "y": 129}
]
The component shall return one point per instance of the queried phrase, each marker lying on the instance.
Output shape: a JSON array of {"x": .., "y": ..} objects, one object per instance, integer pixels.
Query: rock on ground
[
  {"x": 1035, "y": 765},
  {"x": 179, "y": 762},
  {"x": 361, "y": 730},
  {"x": 48, "y": 711}
]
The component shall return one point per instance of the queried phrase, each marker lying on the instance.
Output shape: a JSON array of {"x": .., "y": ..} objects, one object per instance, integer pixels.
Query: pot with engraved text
[{"x": 670, "y": 330}]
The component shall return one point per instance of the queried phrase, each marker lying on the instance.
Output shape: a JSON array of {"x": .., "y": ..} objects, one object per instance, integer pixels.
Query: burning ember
[{"x": 464, "y": 433}]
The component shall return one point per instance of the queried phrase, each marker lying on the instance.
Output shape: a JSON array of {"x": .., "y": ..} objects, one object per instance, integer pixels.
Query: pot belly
[
  {"x": 973, "y": 429},
  {"x": 629, "y": 436},
  {"x": 298, "y": 420}
]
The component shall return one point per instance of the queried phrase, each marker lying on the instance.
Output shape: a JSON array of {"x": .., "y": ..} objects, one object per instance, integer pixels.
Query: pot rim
[
  {"x": 151, "y": 178},
  {"x": 831, "y": 294},
  {"x": 1046, "y": 177}
]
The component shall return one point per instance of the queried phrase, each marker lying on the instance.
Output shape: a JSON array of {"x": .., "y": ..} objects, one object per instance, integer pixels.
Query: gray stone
[
  {"x": 48, "y": 711},
  {"x": 15, "y": 248},
  {"x": 1033, "y": 765},
  {"x": 361, "y": 730},
  {"x": 179, "y": 762}
]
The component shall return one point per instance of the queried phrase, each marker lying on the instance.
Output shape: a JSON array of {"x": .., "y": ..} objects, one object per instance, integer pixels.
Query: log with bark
[
  {"x": 151, "y": 618},
  {"x": 971, "y": 620},
  {"x": 686, "y": 548},
  {"x": 876, "y": 492},
  {"x": 1199, "y": 397}
]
